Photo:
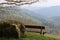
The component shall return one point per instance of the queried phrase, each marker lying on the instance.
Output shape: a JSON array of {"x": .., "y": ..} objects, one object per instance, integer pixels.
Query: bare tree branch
[{"x": 19, "y": 2}]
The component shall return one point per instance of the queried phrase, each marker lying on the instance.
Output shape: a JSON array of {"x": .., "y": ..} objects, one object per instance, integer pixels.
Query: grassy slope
[
  {"x": 32, "y": 36},
  {"x": 54, "y": 36}
]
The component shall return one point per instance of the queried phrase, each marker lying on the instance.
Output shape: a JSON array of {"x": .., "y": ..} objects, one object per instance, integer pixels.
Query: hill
[
  {"x": 55, "y": 20},
  {"x": 18, "y": 15},
  {"x": 48, "y": 16},
  {"x": 47, "y": 11},
  {"x": 28, "y": 17}
]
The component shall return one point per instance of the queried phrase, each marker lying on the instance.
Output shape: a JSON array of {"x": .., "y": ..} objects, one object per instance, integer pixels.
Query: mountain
[
  {"x": 45, "y": 15},
  {"x": 49, "y": 16},
  {"x": 56, "y": 18},
  {"x": 27, "y": 16},
  {"x": 33, "y": 14},
  {"x": 46, "y": 11},
  {"x": 56, "y": 21},
  {"x": 18, "y": 15},
  {"x": 50, "y": 11}
]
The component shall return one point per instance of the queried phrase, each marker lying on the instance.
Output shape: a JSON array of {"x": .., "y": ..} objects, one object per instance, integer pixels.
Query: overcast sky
[
  {"x": 44, "y": 3},
  {"x": 47, "y": 3}
]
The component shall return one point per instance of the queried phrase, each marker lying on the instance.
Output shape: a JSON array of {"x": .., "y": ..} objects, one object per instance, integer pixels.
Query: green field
[{"x": 32, "y": 36}]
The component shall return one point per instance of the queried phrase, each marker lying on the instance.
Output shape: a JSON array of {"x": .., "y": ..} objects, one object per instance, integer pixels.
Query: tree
[{"x": 18, "y": 2}]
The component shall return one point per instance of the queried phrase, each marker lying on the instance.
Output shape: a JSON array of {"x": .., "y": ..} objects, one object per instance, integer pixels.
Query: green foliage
[{"x": 7, "y": 30}]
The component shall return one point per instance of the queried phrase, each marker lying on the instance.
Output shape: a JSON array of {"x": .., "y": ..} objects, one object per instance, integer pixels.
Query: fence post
[{"x": 41, "y": 30}]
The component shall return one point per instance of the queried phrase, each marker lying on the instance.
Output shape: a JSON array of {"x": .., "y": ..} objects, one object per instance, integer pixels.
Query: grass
[{"x": 31, "y": 36}]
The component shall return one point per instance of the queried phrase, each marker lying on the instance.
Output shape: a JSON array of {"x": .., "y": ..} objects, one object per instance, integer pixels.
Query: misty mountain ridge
[
  {"x": 28, "y": 16},
  {"x": 49, "y": 16},
  {"x": 47, "y": 11},
  {"x": 14, "y": 14}
]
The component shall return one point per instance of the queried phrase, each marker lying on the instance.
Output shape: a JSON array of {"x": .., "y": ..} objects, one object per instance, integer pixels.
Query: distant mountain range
[
  {"x": 55, "y": 20},
  {"x": 49, "y": 16},
  {"x": 36, "y": 16},
  {"x": 47, "y": 11},
  {"x": 18, "y": 15},
  {"x": 46, "y": 16}
]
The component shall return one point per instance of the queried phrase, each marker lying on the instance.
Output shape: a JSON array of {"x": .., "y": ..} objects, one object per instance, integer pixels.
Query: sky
[{"x": 44, "y": 3}]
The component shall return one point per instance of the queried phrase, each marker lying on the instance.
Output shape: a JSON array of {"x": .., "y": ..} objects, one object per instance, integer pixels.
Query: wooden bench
[
  {"x": 35, "y": 27},
  {"x": 6, "y": 27}
]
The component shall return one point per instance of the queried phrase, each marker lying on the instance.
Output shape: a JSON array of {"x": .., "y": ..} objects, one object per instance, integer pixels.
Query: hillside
[
  {"x": 47, "y": 11},
  {"x": 48, "y": 16},
  {"x": 18, "y": 15},
  {"x": 55, "y": 20},
  {"x": 28, "y": 17},
  {"x": 44, "y": 15}
]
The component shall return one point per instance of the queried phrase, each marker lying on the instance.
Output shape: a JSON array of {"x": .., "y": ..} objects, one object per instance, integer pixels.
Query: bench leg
[{"x": 22, "y": 34}]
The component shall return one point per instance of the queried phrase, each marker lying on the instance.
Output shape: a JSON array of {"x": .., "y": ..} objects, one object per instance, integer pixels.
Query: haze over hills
[
  {"x": 56, "y": 21},
  {"x": 45, "y": 18},
  {"x": 28, "y": 16},
  {"x": 32, "y": 14},
  {"x": 47, "y": 11},
  {"x": 14, "y": 14},
  {"x": 49, "y": 16}
]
